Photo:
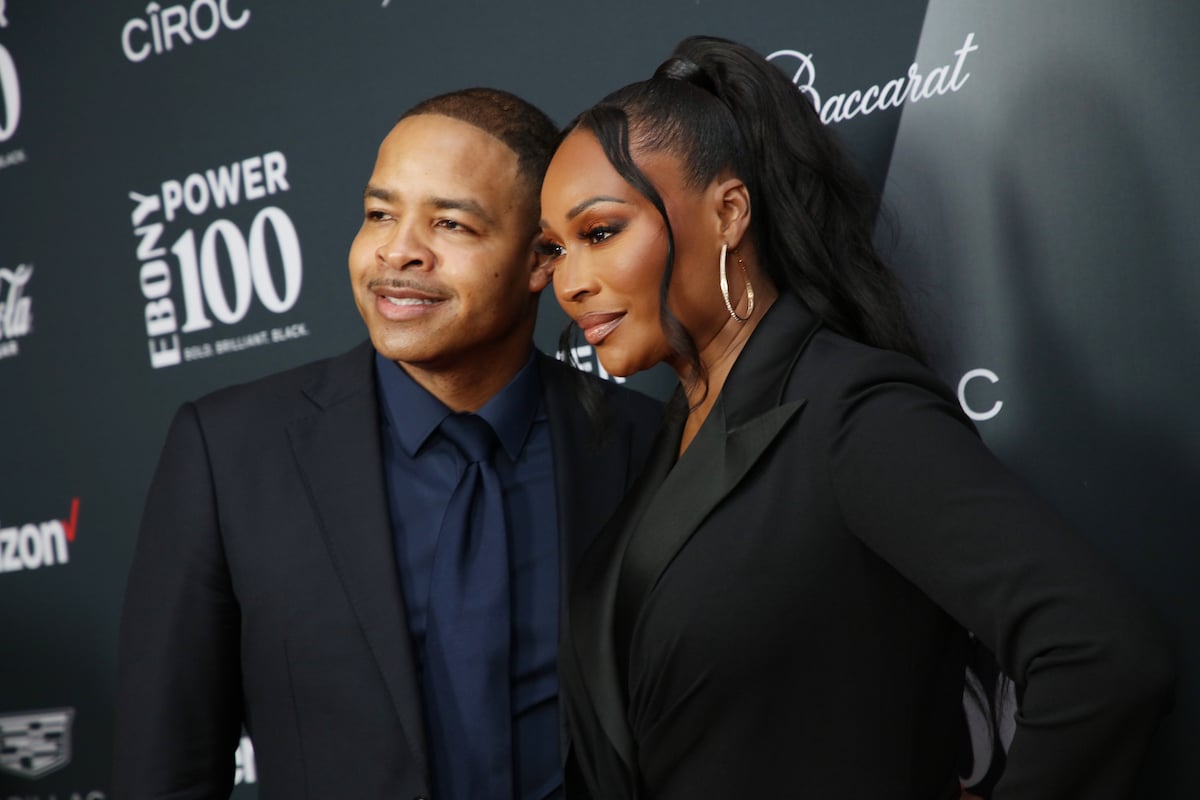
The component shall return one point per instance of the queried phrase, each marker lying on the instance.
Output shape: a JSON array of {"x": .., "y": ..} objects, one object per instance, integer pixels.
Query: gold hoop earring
[{"x": 725, "y": 288}]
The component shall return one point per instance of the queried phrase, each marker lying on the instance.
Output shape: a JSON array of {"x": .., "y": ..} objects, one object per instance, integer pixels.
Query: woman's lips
[{"x": 597, "y": 325}]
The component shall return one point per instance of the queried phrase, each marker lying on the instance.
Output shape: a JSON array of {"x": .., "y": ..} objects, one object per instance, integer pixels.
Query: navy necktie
[{"x": 468, "y": 636}]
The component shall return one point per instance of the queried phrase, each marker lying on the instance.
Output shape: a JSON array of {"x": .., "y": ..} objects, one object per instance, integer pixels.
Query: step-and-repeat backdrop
[{"x": 180, "y": 182}]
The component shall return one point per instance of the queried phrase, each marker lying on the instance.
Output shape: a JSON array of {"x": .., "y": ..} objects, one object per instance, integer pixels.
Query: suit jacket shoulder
[{"x": 279, "y": 397}]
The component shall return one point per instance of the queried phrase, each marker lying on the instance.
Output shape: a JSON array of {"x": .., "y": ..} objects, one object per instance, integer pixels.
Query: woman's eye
[
  {"x": 599, "y": 233},
  {"x": 549, "y": 249}
]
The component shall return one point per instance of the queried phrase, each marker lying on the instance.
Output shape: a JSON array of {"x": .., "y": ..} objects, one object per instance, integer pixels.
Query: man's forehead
[
  {"x": 433, "y": 128},
  {"x": 443, "y": 162},
  {"x": 444, "y": 150}
]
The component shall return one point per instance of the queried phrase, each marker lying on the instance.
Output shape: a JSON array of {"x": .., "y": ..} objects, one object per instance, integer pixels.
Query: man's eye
[
  {"x": 375, "y": 216},
  {"x": 452, "y": 225}
]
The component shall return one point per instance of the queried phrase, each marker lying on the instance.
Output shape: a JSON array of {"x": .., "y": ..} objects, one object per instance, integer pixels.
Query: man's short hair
[{"x": 522, "y": 126}]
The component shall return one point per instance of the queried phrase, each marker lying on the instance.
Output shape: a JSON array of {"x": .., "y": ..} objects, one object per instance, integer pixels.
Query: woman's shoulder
[{"x": 833, "y": 365}]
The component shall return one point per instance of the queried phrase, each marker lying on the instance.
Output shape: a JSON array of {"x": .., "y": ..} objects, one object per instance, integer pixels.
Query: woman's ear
[{"x": 732, "y": 199}]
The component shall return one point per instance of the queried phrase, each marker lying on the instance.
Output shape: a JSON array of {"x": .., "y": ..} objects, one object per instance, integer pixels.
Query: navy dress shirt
[{"x": 422, "y": 468}]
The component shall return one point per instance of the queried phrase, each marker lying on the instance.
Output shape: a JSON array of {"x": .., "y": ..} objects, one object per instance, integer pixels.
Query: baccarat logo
[{"x": 915, "y": 85}]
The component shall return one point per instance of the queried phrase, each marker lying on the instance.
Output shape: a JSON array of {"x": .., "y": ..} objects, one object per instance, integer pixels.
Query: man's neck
[{"x": 468, "y": 387}]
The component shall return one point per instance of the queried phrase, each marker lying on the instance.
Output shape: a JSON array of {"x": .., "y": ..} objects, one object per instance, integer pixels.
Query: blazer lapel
[
  {"x": 582, "y": 502},
  {"x": 339, "y": 455},
  {"x": 581, "y": 453},
  {"x": 715, "y": 463},
  {"x": 671, "y": 501},
  {"x": 594, "y": 661}
]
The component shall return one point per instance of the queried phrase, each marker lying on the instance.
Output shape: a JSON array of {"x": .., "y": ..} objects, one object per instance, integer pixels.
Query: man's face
[{"x": 443, "y": 268}]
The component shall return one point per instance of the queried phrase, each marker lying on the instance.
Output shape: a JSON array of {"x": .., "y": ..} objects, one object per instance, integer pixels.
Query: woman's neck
[{"x": 718, "y": 357}]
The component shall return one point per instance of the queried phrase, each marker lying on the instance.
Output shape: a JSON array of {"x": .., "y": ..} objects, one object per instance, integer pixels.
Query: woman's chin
[
  {"x": 620, "y": 370},
  {"x": 617, "y": 365}
]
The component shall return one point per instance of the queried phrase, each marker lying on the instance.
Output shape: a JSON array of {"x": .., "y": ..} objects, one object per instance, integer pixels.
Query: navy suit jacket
[{"x": 264, "y": 590}]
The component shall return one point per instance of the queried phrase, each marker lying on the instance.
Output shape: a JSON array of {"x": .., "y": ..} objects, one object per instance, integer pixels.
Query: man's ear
[
  {"x": 732, "y": 201},
  {"x": 541, "y": 268}
]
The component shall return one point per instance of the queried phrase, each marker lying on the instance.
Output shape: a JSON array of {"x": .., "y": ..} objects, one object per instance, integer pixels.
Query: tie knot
[{"x": 472, "y": 435}]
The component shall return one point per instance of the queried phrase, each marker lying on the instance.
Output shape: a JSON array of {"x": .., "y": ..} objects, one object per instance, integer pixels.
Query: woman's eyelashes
[
  {"x": 600, "y": 232},
  {"x": 549, "y": 248},
  {"x": 594, "y": 234}
]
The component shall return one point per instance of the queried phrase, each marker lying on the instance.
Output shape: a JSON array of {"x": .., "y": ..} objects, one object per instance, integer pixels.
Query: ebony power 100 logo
[
  {"x": 10, "y": 99},
  {"x": 201, "y": 273}
]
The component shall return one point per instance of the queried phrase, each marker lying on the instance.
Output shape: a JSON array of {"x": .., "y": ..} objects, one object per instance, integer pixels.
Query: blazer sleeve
[
  {"x": 178, "y": 685},
  {"x": 918, "y": 487}
]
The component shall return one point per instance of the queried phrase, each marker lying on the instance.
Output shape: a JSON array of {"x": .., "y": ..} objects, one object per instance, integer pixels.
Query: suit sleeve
[
  {"x": 919, "y": 488},
  {"x": 178, "y": 685}
]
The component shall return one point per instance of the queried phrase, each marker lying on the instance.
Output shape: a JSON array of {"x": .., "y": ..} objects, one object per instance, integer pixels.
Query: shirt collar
[{"x": 414, "y": 414}]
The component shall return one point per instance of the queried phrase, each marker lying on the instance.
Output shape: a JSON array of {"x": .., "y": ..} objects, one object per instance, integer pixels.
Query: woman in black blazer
[{"x": 781, "y": 608}]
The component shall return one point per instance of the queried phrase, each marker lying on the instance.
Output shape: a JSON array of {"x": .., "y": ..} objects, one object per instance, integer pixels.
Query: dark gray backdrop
[{"x": 1042, "y": 182}]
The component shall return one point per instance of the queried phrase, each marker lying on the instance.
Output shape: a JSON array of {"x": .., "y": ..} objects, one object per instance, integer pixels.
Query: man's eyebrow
[
  {"x": 460, "y": 204},
  {"x": 579, "y": 208},
  {"x": 440, "y": 203}
]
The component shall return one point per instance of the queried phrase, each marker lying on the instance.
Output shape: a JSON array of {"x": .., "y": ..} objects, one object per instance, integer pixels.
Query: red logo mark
[{"x": 69, "y": 525}]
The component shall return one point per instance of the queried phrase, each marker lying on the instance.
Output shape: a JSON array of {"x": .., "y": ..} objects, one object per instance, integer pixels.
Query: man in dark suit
[{"x": 289, "y": 575}]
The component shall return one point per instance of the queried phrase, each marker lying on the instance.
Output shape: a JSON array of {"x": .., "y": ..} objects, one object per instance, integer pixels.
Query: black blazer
[
  {"x": 782, "y": 611},
  {"x": 264, "y": 589}
]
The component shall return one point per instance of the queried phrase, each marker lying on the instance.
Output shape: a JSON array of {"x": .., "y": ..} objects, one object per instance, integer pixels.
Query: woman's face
[{"x": 608, "y": 246}]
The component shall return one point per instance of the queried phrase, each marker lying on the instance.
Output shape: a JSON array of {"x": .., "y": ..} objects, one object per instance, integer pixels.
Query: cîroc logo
[
  {"x": 912, "y": 87},
  {"x": 35, "y": 743},
  {"x": 165, "y": 26},
  {"x": 220, "y": 270},
  {"x": 33, "y": 546},
  {"x": 16, "y": 310}
]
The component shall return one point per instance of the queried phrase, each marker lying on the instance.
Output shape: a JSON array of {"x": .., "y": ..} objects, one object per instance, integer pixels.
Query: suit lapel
[{"x": 339, "y": 455}]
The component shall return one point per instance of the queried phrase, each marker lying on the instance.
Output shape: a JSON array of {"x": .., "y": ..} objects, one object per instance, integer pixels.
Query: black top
[{"x": 782, "y": 611}]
